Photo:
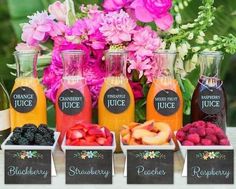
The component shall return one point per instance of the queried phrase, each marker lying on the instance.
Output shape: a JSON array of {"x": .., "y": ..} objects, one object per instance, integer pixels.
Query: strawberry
[
  {"x": 95, "y": 131},
  {"x": 75, "y": 142},
  {"x": 90, "y": 138},
  {"x": 193, "y": 138},
  {"x": 76, "y": 134},
  {"x": 101, "y": 141}
]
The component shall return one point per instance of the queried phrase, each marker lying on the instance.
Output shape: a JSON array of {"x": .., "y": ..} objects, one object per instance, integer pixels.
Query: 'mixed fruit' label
[
  {"x": 116, "y": 99},
  {"x": 210, "y": 166},
  {"x": 23, "y": 99},
  {"x": 27, "y": 166},
  {"x": 150, "y": 167},
  {"x": 210, "y": 101},
  {"x": 88, "y": 166},
  {"x": 166, "y": 102},
  {"x": 71, "y": 101}
]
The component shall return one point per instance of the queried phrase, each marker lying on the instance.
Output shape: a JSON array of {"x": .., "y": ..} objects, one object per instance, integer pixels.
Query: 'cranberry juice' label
[
  {"x": 166, "y": 102},
  {"x": 23, "y": 99},
  {"x": 71, "y": 101},
  {"x": 210, "y": 101},
  {"x": 116, "y": 100}
]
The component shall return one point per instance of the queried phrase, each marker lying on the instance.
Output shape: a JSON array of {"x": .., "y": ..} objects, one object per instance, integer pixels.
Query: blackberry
[
  {"x": 15, "y": 138},
  {"x": 38, "y": 138},
  {"x": 29, "y": 127},
  {"x": 42, "y": 129},
  {"x": 9, "y": 142},
  {"x": 17, "y": 130},
  {"x": 29, "y": 136},
  {"x": 23, "y": 141}
]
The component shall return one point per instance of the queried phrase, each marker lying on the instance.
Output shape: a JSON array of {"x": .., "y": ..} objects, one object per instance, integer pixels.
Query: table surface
[{"x": 119, "y": 181}]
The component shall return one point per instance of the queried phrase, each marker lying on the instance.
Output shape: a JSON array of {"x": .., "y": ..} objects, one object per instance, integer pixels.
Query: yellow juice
[
  {"x": 38, "y": 114},
  {"x": 114, "y": 117}
]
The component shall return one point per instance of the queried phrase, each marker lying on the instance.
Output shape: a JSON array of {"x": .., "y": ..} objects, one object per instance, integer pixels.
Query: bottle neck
[
  {"x": 26, "y": 63},
  {"x": 4, "y": 97}
]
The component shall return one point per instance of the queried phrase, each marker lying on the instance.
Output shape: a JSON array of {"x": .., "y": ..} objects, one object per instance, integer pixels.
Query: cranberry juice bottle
[{"x": 209, "y": 100}]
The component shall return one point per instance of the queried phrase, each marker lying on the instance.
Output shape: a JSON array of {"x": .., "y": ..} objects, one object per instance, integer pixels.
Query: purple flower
[
  {"x": 154, "y": 10},
  {"x": 145, "y": 42},
  {"x": 39, "y": 28},
  {"x": 117, "y": 27}
]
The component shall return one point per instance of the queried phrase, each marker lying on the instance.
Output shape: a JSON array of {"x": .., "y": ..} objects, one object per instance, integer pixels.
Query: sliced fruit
[
  {"x": 140, "y": 133},
  {"x": 148, "y": 125},
  {"x": 101, "y": 140},
  {"x": 77, "y": 134},
  {"x": 133, "y": 142},
  {"x": 126, "y": 138}
]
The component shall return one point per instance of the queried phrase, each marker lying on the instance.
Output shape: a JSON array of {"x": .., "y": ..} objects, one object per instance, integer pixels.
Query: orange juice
[
  {"x": 116, "y": 105},
  {"x": 164, "y": 99},
  {"x": 28, "y": 101},
  {"x": 38, "y": 114}
]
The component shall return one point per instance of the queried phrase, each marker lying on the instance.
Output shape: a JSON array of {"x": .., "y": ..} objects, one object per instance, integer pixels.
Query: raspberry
[
  {"x": 201, "y": 132},
  {"x": 192, "y": 130},
  {"x": 210, "y": 131},
  {"x": 206, "y": 142},
  {"x": 180, "y": 135},
  {"x": 213, "y": 138},
  {"x": 193, "y": 138},
  {"x": 224, "y": 142},
  {"x": 187, "y": 127},
  {"x": 187, "y": 143}
]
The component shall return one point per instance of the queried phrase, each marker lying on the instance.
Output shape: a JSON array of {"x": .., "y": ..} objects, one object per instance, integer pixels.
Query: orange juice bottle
[
  {"x": 116, "y": 104},
  {"x": 164, "y": 99},
  {"x": 73, "y": 100},
  {"x": 28, "y": 101}
]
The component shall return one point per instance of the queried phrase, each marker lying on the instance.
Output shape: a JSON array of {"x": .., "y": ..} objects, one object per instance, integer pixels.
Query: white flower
[
  {"x": 215, "y": 37},
  {"x": 200, "y": 40},
  {"x": 178, "y": 18},
  {"x": 190, "y": 36},
  {"x": 173, "y": 46},
  {"x": 29, "y": 154},
  {"x": 211, "y": 42},
  {"x": 196, "y": 49}
]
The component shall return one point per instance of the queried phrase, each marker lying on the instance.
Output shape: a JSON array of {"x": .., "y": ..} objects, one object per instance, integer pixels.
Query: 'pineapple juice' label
[{"x": 23, "y": 99}]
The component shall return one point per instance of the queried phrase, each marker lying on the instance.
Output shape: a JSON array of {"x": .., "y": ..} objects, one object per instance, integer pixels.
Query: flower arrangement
[
  {"x": 151, "y": 155},
  {"x": 206, "y": 155},
  {"x": 141, "y": 27},
  {"x": 89, "y": 155}
]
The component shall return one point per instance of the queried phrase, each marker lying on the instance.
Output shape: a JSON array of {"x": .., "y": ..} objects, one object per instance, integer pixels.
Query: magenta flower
[
  {"x": 39, "y": 28},
  {"x": 145, "y": 42},
  {"x": 154, "y": 10},
  {"x": 113, "y": 5},
  {"x": 140, "y": 65},
  {"x": 117, "y": 27},
  {"x": 137, "y": 90},
  {"x": 155, "y": 71},
  {"x": 58, "y": 11}
]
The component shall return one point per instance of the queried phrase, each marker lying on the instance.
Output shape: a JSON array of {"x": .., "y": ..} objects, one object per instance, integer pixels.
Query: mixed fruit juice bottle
[
  {"x": 209, "y": 99},
  {"x": 164, "y": 99},
  {"x": 116, "y": 105},
  {"x": 27, "y": 100},
  {"x": 73, "y": 99}
]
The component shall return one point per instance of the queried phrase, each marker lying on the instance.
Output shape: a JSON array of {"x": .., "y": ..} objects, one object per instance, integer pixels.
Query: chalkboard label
[
  {"x": 27, "y": 166},
  {"x": 88, "y": 166},
  {"x": 116, "y": 100},
  {"x": 166, "y": 102},
  {"x": 150, "y": 167},
  {"x": 210, "y": 167},
  {"x": 23, "y": 99},
  {"x": 71, "y": 101},
  {"x": 211, "y": 101}
]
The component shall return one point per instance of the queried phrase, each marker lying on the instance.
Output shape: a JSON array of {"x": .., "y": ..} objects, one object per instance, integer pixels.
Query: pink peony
[
  {"x": 113, "y": 5},
  {"x": 140, "y": 65},
  {"x": 117, "y": 27},
  {"x": 25, "y": 47},
  {"x": 58, "y": 11},
  {"x": 145, "y": 42},
  {"x": 154, "y": 10},
  {"x": 39, "y": 28}
]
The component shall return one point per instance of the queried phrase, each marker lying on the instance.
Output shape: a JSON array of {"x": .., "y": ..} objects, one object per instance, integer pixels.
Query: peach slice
[
  {"x": 133, "y": 142},
  {"x": 148, "y": 125},
  {"x": 163, "y": 135},
  {"x": 124, "y": 132},
  {"x": 126, "y": 139},
  {"x": 132, "y": 125},
  {"x": 140, "y": 133}
]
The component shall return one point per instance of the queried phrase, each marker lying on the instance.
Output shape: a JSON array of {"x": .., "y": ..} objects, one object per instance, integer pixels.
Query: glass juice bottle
[
  {"x": 28, "y": 101},
  {"x": 209, "y": 99},
  {"x": 73, "y": 100},
  {"x": 164, "y": 99},
  {"x": 5, "y": 127},
  {"x": 116, "y": 104}
]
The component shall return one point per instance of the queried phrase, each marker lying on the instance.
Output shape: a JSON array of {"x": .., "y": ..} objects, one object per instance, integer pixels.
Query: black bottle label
[
  {"x": 116, "y": 100},
  {"x": 211, "y": 101},
  {"x": 71, "y": 101},
  {"x": 166, "y": 102},
  {"x": 23, "y": 99}
]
